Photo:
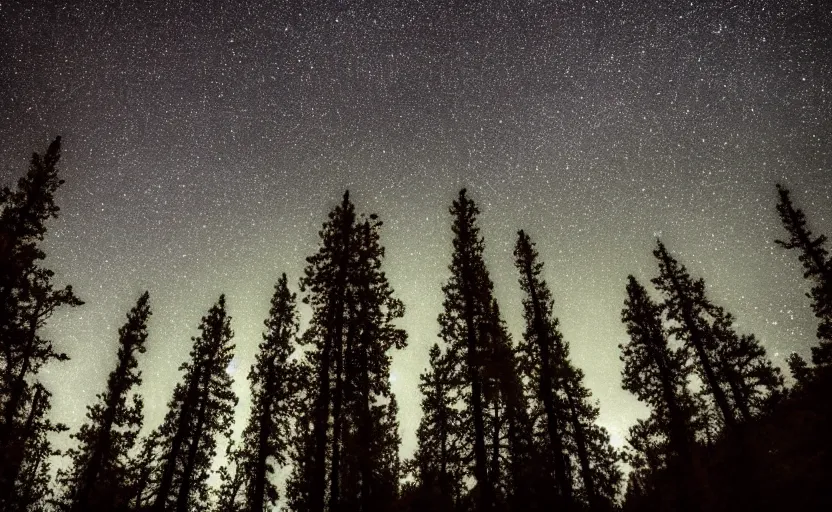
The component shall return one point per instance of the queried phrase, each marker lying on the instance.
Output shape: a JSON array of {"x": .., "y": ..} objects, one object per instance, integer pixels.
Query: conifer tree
[
  {"x": 734, "y": 369},
  {"x": 568, "y": 412},
  {"x": 537, "y": 351},
  {"x": 201, "y": 408},
  {"x": 597, "y": 460},
  {"x": 98, "y": 476},
  {"x": 230, "y": 497},
  {"x": 817, "y": 268},
  {"x": 647, "y": 455},
  {"x": 351, "y": 333},
  {"x": 385, "y": 467},
  {"x": 27, "y": 299},
  {"x": 325, "y": 284},
  {"x": 514, "y": 466},
  {"x": 464, "y": 323},
  {"x": 374, "y": 309},
  {"x": 656, "y": 373},
  {"x": 302, "y": 441},
  {"x": 141, "y": 469},
  {"x": 274, "y": 381},
  {"x": 798, "y": 368},
  {"x": 755, "y": 384}
]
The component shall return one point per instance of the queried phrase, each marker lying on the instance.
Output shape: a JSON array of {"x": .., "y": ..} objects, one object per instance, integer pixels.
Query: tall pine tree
[
  {"x": 28, "y": 299},
  {"x": 464, "y": 326},
  {"x": 201, "y": 408},
  {"x": 658, "y": 375},
  {"x": 817, "y": 268},
  {"x": 98, "y": 476},
  {"x": 274, "y": 380},
  {"x": 351, "y": 332},
  {"x": 325, "y": 284},
  {"x": 734, "y": 369},
  {"x": 538, "y": 353},
  {"x": 368, "y": 399},
  {"x": 572, "y": 434}
]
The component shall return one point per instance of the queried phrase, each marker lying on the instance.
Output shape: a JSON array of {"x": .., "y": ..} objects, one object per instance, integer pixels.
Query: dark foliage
[
  {"x": 201, "y": 408},
  {"x": 566, "y": 426},
  {"x": 734, "y": 369},
  {"x": 817, "y": 268},
  {"x": 438, "y": 465},
  {"x": 504, "y": 427},
  {"x": 28, "y": 298},
  {"x": 786, "y": 462},
  {"x": 351, "y": 332},
  {"x": 248, "y": 483},
  {"x": 98, "y": 477}
]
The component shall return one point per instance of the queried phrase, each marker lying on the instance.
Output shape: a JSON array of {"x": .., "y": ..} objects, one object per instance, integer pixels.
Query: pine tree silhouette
[
  {"x": 514, "y": 467},
  {"x": 325, "y": 282},
  {"x": 231, "y": 495},
  {"x": 274, "y": 381},
  {"x": 600, "y": 476},
  {"x": 658, "y": 375},
  {"x": 569, "y": 415},
  {"x": 28, "y": 486},
  {"x": 202, "y": 407},
  {"x": 464, "y": 323},
  {"x": 140, "y": 471},
  {"x": 98, "y": 475},
  {"x": 735, "y": 370},
  {"x": 372, "y": 312},
  {"x": 351, "y": 333},
  {"x": 27, "y": 300},
  {"x": 539, "y": 362},
  {"x": 648, "y": 454},
  {"x": 302, "y": 441},
  {"x": 817, "y": 268},
  {"x": 799, "y": 369}
]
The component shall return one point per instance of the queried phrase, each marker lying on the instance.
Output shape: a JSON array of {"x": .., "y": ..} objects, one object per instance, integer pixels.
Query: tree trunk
[
  {"x": 365, "y": 428},
  {"x": 473, "y": 363},
  {"x": 337, "y": 428},
  {"x": 583, "y": 452},
  {"x": 495, "y": 447},
  {"x": 443, "y": 439}
]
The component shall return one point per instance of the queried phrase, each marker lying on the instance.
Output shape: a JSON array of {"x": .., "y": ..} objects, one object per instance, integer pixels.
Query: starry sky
[{"x": 205, "y": 142}]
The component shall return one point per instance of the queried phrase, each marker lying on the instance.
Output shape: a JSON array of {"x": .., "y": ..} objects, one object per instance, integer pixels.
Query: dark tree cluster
[
  {"x": 507, "y": 425},
  {"x": 723, "y": 432}
]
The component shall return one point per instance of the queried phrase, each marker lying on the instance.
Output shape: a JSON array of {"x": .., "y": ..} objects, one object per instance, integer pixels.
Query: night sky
[{"x": 204, "y": 146}]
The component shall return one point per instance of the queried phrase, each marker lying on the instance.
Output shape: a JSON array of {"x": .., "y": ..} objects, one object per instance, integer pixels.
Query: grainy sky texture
[{"x": 204, "y": 143}]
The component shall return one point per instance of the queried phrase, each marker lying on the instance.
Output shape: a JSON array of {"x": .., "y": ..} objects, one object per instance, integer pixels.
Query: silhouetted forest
[{"x": 508, "y": 424}]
